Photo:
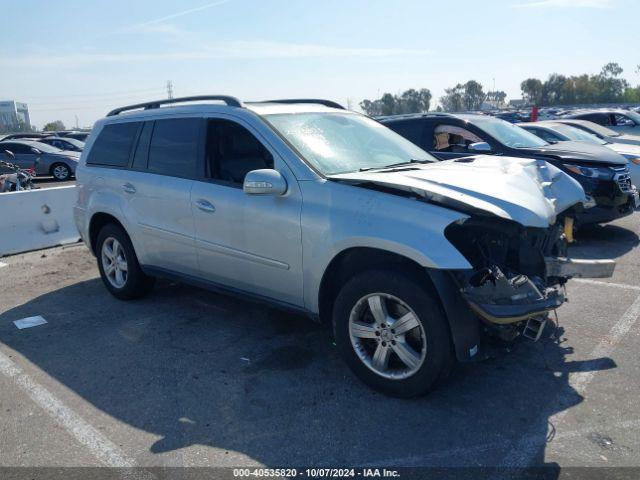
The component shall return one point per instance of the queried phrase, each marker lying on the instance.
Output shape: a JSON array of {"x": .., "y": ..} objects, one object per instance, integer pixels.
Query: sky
[{"x": 77, "y": 59}]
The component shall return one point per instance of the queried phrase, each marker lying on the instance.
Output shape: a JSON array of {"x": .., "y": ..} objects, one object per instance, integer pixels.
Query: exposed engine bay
[{"x": 518, "y": 273}]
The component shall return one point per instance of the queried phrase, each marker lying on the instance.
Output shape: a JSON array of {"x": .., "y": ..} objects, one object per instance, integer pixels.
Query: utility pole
[
  {"x": 77, "y": 127},
  {"x": 169, "y": 89}
]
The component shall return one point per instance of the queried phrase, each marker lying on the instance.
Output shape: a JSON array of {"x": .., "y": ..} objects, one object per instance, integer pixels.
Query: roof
[{"x": 224, "y": 103}]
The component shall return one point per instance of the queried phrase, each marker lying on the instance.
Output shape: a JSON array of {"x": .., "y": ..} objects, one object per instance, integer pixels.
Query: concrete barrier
[{"x": 34, "y": 219}]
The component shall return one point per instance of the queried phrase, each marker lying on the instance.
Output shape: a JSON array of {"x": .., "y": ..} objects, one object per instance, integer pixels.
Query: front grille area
[{"x": 623, "y": 178}]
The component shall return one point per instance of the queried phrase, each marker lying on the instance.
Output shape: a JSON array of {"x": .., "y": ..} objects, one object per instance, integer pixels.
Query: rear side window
[
  {"x": 141, "y": 156},
  {"x": 113, "y": 145},
  {"x": 174, "y": 147},
  {"x": 16, "y": 148}
]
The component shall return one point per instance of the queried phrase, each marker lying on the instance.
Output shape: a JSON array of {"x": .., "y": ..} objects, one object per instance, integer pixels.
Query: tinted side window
[
  {"x": 15, "y": 148},
  {"x": 141, "y": 156},
  {"x": 174, "y": 147},
  {"x": 412, "y": 130},
  {"x": 113, "y": 145},
  {"x": 233, "y": 151}
]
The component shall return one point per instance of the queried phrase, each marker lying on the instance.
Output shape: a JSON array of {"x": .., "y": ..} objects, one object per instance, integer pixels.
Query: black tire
[
  {"x": 416, "y": 294},
  {"x": 137, "y": 283},
  {"x": 57, "y": 170}
]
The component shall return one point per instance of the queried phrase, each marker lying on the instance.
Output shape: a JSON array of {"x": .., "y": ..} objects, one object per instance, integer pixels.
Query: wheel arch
[
  {"x": 464, "y": 327},
  {"x": 99, "y": 220}
]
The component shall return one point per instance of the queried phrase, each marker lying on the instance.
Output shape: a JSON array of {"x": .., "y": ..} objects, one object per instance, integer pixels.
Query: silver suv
[{"x": 315, "y": 208}]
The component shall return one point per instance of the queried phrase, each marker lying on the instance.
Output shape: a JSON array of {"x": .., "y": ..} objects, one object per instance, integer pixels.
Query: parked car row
[
  {"x": 77, "y": 135},
  {"x": 414, "y": 247},
  {"x": 603, "y": 173},
  {"x": 42, "y": 157}
]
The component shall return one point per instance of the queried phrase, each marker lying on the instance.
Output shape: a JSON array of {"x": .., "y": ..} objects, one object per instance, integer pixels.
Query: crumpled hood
[
  {"x": 530, "y": 192},
  {"x": 579, "y": 151}
]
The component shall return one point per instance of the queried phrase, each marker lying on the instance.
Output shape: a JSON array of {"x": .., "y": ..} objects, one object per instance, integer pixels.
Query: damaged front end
[{"x": 518, "y": 274}]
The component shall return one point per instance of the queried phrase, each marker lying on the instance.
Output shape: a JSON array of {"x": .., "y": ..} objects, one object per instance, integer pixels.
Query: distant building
[
  {"x": 517, "y": 103},
  {"x": 14, "y": 114}
]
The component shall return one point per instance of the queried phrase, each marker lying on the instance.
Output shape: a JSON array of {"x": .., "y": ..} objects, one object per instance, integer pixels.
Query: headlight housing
[{"x": 602, "y": 173}]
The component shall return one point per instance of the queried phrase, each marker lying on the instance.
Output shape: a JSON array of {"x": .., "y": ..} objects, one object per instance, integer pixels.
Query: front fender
[{"x": 338, "y": 217}]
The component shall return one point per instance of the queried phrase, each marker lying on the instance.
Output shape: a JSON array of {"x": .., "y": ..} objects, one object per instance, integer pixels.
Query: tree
[
  {"x": 473, "y": 95},
  {"x": 498, "y": 97},
  {"x": 605, "y": 87},
  {"x": 452, "y": 101},
  {"x": 415, "y": 101},
  {"x": 468, "y": 96},
  {"x": 532, "y": 90},
  {"x": 53, "y": 126},
  {"x": 410, "y": 101}
]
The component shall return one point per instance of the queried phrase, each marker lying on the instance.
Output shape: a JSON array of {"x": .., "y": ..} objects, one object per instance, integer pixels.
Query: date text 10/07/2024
[{"x": 316, "y": 472}]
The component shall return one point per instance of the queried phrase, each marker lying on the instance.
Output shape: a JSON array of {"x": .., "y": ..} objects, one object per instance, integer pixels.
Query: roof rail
[
  {"x": 230, "y": 101},
  {"x": 319, "y": 101}
]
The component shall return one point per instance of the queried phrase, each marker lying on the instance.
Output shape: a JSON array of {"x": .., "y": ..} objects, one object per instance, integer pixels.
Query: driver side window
[
  {"x": 452, "y": 139},
  {"x": 232, "y": 151}
]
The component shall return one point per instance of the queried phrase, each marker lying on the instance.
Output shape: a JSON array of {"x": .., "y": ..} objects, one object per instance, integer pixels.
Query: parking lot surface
[{"x": 186, "y": 377}]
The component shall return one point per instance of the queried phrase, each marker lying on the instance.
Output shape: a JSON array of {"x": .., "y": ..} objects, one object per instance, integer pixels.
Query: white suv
[{"x": 315, "y": 208}]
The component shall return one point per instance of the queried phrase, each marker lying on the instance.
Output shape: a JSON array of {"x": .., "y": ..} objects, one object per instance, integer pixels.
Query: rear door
[
  {"x": 248, "y": 242},
  {"x": 157, "y": 188}
]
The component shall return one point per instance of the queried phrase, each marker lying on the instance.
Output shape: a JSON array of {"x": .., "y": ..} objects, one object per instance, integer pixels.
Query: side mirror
[
  {"x": 480, "y": 147},
  {"x": 264, "y": 182},
  {"x": 10, "y": 154}
]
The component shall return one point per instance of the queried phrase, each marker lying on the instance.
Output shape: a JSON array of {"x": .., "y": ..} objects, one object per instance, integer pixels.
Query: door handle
[
  {"x": 205, "y": 206},
  {"x": 127, "y": 187}
]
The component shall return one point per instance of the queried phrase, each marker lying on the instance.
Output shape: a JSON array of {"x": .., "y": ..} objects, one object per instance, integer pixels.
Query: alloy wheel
[
  {"x": 61, "y": 172},
  {"x": 388, "y": 336},
  {"x": 114, "y": 262}
]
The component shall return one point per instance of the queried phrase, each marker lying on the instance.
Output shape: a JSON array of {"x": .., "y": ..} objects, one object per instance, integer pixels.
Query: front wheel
[{"x": 392, "y": 332}]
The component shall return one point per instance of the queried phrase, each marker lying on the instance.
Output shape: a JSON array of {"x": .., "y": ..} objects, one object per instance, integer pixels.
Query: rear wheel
[
  {"x": 60, "y": 172},
  {"x": 392, "y": 332},
  {"x": 118, "y": 264}
]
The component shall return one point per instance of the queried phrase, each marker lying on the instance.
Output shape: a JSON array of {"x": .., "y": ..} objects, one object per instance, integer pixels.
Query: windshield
[
  {"x": 75, "y": 142},
  {"x": 597, "y": 129},
  {"x": 344, "y": 142},
  {"x": 509, "y": 134},
  {"x": 576, "y": 134}
]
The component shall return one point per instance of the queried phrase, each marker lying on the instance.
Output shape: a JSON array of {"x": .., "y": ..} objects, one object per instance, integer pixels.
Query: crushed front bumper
[{"x": 502, "y": 299}]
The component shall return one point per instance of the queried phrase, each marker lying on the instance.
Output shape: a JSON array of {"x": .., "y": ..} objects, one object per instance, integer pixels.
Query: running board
[{"x": 569, "y": 267}]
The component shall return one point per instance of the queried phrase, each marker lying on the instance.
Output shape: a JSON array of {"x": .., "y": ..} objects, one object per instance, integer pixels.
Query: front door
[{"x": 248, "y": 242}]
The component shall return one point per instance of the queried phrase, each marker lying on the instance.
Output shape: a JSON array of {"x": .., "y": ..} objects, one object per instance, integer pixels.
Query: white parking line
[
  {"x": 100, "y": 446},
  {"x": 599, "y": 283},
  {"x": 522, "y": 453}
]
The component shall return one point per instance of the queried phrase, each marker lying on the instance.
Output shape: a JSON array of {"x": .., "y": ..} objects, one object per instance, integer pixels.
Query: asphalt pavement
[{"x": 186, "y": 377}]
